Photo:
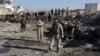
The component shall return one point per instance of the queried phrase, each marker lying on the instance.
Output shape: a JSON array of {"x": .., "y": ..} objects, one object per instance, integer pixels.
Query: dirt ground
[{"x": 13, "y": 42}]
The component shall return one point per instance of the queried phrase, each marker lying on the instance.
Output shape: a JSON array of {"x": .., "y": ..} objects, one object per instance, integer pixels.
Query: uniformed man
[
  {"x": 40, "y": 26},
  {"x": 23, "y": 23},
  {"x": 57, "y": 34}
]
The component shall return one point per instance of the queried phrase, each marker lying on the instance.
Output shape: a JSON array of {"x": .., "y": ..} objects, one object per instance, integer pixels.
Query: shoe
[
  {"x": 49, "y": 48},
  {"x": 60, "y": 46},
  {"x": 57, "y": 50}
]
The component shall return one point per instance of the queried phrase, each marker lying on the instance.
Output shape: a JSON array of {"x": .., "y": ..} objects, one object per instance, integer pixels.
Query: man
[
  {"x": 23, "y": 23},
  {"x": 57, "y": 34},
  {"x": 70, "y": 31},
  {"x": 40, "y": 25}
]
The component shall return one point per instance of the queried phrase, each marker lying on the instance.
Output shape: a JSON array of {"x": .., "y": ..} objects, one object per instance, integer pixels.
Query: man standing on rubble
[
  {"x": 57, "y": 34},
  {"x": 23, "y": 23},
  {"x": 40, "y": 26}
]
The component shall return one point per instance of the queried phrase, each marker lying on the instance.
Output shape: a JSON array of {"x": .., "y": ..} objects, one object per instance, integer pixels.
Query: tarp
[{"x": 93, "y": 20}]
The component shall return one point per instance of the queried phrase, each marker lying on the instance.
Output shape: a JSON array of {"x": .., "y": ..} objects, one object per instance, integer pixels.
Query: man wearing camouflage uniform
[
  {"x": 23, "y": 23},
  {"x": 57, "y": 34}
]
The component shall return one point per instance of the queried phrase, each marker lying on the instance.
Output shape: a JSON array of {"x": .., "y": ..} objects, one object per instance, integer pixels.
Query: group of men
[{"x": 57, "y": 32}]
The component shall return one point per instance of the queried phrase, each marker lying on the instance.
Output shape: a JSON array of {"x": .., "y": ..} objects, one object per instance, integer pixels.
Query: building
[
  {"x": 7, "y": 4},
  {"x": 18, "y": 9},
  {"x": 6, "y": 7},
  {"x": 91, "y": 8},
  {"x": 71, "y": 8}
]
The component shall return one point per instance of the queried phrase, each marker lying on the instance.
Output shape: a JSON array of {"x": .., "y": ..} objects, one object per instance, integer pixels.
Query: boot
[
  {"x": 49, "y": 48},
  {"x": 57, "y": 50}
]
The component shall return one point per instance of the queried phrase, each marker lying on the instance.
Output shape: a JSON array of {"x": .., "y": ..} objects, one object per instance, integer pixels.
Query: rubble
[
  {"x": 93, "y": 20},
  {"x": 26, "y": 44}
]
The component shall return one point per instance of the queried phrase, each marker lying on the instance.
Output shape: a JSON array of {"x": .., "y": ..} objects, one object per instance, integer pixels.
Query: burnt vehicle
[
  {"x": 2, "y": 18},
  {"x": 12, "y": 18}
]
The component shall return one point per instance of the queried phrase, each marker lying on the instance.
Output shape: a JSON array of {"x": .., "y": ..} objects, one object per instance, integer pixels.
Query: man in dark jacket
[{"x": 57, "y": 34}]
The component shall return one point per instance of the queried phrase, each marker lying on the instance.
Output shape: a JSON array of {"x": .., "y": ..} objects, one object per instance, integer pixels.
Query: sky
[{"x": 49, "y": 4}]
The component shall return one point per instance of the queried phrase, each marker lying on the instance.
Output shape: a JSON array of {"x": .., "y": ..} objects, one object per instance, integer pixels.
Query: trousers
[
  {"x": 56, "y": 38},
  {"x": 23, "y": 26},
  {"x": 40, "y": 34}
]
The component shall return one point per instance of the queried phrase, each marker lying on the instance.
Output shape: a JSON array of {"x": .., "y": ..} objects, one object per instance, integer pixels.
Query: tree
[
  {"x": 52, "y": 12},
  {"x": 56, "y": 11},
  {"x": 59, "y": 11}
]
